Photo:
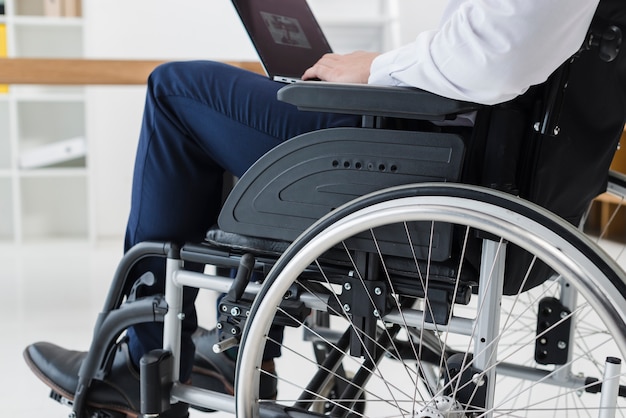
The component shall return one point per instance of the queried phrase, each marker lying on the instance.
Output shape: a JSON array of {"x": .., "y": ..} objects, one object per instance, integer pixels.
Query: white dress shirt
[{"x": 489, "y": 51}]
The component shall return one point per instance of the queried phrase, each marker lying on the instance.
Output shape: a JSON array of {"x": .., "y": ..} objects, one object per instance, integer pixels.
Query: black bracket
[
  {"x": 364, "y": 302},
  {"x": 233, "y": 308},
  {"x": 358, "y": 296},
  {"x": 156, "y": 382},
  {"x": 466, "y": 383},
  {"x": 553, "y": 332}
]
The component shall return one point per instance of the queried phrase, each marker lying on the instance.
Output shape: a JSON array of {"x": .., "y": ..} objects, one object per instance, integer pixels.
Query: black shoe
[
  {"x": 216, "y": 371},
  {"x": 118, "y": 394}
]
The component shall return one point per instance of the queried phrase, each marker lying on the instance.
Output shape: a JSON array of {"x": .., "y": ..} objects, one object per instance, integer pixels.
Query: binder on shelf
[
  {"x": 3, "y": 52},
  {"x": 65, "y": 8},
  {"x": 1, "y": 7},
  {"x": 55, "y": 153},
  {"x": 71, "y": 8},
  {"x": 52, "y": 8}
]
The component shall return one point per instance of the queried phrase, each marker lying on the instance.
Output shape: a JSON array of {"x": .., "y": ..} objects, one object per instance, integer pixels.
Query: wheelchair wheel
[{"x": 440, "y": 338}]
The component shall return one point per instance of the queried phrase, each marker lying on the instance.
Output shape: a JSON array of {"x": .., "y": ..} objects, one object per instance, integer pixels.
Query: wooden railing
[{"x": 55, "y": 71}]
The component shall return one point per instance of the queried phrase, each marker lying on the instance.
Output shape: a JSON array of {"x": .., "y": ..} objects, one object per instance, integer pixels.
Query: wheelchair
[{"x": 403, "y": 289}]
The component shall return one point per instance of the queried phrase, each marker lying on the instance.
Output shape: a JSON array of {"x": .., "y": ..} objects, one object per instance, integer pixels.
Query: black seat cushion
[{"x": 445, "y": 271}]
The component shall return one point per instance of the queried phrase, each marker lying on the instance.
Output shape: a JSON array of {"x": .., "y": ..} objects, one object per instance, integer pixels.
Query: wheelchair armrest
[{"x": 371, "y": 100}]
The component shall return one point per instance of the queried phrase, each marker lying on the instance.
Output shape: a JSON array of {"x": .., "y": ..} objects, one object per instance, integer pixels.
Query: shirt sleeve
[{"x": 489, "y": 51}]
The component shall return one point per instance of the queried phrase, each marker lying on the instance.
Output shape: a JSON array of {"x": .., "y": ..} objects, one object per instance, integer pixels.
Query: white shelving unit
[{"x": 50, "y": 201}]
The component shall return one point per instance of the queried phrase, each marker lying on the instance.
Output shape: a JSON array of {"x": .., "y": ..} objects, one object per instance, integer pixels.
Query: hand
[{"x": 349, "y": 68}]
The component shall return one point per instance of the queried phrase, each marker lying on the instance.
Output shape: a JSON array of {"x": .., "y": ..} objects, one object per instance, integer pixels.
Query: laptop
[{"x": 285, "y": 34}]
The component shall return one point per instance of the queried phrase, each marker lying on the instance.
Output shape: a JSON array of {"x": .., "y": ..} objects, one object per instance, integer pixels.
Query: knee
[
  {"x": 168, "y": 75},
  {"x": 187, "y": 77}
]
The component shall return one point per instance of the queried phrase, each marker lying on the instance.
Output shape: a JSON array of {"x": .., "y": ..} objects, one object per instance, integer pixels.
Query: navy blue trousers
[{"x": 201, "y": 119}]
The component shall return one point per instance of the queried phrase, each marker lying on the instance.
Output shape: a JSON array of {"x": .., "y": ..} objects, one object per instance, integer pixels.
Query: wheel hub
[{"x": 441, "y": 407}]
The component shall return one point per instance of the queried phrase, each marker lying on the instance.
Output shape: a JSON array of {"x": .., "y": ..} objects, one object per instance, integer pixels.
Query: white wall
[
  {"x": 416, "y": 16},
  {"x": 188, "y": 29},
  {"x": 181, "y": 29}
]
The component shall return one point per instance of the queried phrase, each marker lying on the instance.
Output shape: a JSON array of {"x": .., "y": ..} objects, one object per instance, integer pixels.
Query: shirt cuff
[{"x": 379, "y": 70}]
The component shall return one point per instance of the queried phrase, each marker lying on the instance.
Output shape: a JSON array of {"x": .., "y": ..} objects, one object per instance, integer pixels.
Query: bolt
[
  {"x": 537, "y": 126},
  {"x": 181, "y": 316},
  {"x": 224, "y": 308},
  {"x": 378, "y": 291},
  {"x": 564, "y": 314},
  {"x": 562, "y": 345},
  {"x": 347, "y": 286},
  {"x": 478, "y": 380},
  {"x": 233, "y": 331},
  {"x": 376, "y": 313},
  {"x": 219, "y": 326},
  {"x": 556, "y": 130},
  {"x": 235, "y": 311},
  {"x": 346, "y": 307}
]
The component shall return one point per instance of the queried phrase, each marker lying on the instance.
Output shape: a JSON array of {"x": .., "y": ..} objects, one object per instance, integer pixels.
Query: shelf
[
  {"x": 364, "y": 22},
  {"x": 54, "y": 207},
  {"x": 43, "y": 122},
  {"x": 59, "y": 172},
  {"x": 5, "y": 136},
  {"x": 49, "y": 94},
  {"x": 357, "y": 36},
  {"x": 62, "y": 41},
  {"x": 351, "y": 10},
  {"x": 33, "y": 8},
  {"x": 47, "y": 21},
  {"x": 7, "y": 223}
]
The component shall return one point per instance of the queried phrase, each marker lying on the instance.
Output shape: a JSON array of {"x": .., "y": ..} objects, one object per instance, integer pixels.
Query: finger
[
  {"x": 317, "y": 71},
  {"x": 310, "y": 74}
]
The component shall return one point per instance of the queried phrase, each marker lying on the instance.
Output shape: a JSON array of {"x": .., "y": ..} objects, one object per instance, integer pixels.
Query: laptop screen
[{"x": 285, "y": 33}]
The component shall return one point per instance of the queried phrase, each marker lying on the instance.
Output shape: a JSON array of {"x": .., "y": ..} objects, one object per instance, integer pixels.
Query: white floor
[{"x": 51, "y": 292}]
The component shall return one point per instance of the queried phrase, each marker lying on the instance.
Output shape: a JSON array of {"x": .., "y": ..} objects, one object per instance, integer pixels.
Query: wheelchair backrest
[{"x": 568, "y": 128}]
